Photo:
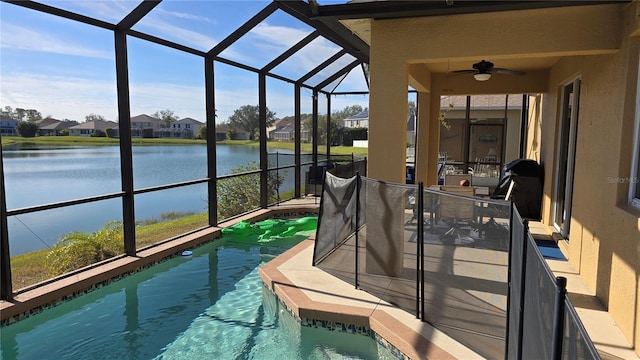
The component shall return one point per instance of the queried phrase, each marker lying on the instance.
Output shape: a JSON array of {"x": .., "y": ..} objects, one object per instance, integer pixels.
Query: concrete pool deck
[{"x": 311, "y": 293}]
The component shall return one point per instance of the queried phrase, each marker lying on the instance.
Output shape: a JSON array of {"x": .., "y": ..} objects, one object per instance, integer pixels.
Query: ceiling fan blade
[
  {"x": 469, "y": 71},
  {"x": 506, "y": 71}
]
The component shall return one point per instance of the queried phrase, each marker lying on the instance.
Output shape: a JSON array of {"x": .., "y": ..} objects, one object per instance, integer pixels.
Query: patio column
[
  {"x": 428, "y": 139},
  {"x": 388, "y": 107}
]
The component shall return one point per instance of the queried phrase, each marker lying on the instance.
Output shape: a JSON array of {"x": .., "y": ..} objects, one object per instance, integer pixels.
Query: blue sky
[{"x": 66, "y": 69}]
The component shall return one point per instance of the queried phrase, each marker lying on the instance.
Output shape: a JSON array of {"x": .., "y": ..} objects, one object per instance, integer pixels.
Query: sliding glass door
[{"x": 565, "y": 160}]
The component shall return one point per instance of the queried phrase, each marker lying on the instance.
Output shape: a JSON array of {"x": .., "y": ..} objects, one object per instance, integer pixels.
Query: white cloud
[
  {"x": 74, "y": 98},
  {"x": 30, "y": 39},
  {"x": 59, "y": 96},
  {"x": 283, "y": 36},
  {"x": 183, "y": 15},
  {"x": 178, "y": 34},
  {"x": 111, "y": 10}
]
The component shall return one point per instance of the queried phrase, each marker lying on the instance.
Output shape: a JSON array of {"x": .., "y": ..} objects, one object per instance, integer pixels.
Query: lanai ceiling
[{"x": 356, "y": 15}]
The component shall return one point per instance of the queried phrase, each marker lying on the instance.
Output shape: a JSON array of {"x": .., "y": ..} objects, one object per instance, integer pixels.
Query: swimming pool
[{"x": 209, "y": 305}]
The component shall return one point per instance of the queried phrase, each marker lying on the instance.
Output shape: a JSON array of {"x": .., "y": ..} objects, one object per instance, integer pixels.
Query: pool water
[{"x": 209, "y": 305}]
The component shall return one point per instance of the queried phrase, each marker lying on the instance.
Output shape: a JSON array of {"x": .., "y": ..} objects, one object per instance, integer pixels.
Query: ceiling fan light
[{"x": 482, "y": 76}]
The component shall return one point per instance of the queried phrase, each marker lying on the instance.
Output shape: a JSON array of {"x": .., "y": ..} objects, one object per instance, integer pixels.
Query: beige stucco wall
[
  {"x": 604, "y": 238},
  {"x": 593, "y": 42}
]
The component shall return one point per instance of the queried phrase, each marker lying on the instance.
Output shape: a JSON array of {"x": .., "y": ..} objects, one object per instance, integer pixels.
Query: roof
[
  {"x": 188, "y": 120},
  {"x": 46, "y": 121},
  {"x": 59, "y": 125},
  {"x": 145, "y": 118},
  {"x": 393, "y": 9},
  {"x": 95, "y": 125},
  {"x": 224, "y": 127},
  {"x": 7, "y": 119},
  {"x": 363, "y": 115}
]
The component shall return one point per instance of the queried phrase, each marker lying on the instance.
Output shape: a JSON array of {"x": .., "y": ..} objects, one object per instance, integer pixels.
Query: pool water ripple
[{"x": 210, "y": 305}]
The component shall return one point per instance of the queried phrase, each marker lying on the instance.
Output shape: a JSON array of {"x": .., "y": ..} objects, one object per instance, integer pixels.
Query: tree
[
  {"x": 346, "y": 112},
  {"x": 247, "y": 118},
  {"x": 21, "y": 114},
  {"x": 167, "y": 116},
  {"x": 7, "y": 111},
  {"x": 27, "y": 129},
  {"x": 240, "y": 194},
  {"x": 231, "y": 133},
  {"x": 336, "y": 119},
  {"x": 33, "y": 115},
  {"x": 412, "y": 108},
  {"x": 202, "y": 133},
  {"x": 94, "y": 117}
]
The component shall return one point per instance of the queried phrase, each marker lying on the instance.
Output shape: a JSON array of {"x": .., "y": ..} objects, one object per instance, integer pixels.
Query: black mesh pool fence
[{"x": 466, "y": 265}]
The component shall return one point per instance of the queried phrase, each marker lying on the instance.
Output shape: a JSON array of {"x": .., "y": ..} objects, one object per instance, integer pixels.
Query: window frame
[{"x": 634, "y": 178}]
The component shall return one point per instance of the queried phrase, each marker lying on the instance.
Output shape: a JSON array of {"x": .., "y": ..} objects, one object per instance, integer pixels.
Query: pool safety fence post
[
  {"x": 420, "y": 254},
  {"x": 262, "y": 128},
  {"x": 522, "y": 280},
  {"x": 558, "y": 317},
  {"x": 357, "y": 228},
  {"x": 278, "y": 177},
  {"x": 353, "y": 164},
  {"x": 297, "y": 129}
]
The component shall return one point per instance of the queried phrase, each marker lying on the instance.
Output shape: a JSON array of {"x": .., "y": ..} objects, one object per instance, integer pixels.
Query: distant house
[
  {"x": 144, "y": 121},
  {"x": 54, "y": 128},
  {"x": 8, "y": 126},
  {"x": 190, "y": 125},
  {"x": 173, "y": 133},
  {"x": 46, "y": 121},
  {"x": 89, "y": 128},
  {"x": 221, "y": 132},
  {"x": 284, "y": 130},
  {"x": 223, "y": 129},
  {"x": 360, "y": 120}
]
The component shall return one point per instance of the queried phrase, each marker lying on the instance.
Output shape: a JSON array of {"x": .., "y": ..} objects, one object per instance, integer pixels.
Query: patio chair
[{"x": 458, "y": 213}]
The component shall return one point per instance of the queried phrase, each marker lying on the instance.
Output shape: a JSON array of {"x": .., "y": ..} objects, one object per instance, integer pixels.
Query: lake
[{"x": 46, "y": 175}]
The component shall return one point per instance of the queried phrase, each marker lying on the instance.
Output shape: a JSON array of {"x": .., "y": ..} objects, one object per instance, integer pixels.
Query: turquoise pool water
[{"x": 210, "y": 305}]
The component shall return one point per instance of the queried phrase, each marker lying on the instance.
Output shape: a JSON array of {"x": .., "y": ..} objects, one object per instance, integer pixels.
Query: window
[{"x": 634, "y": 179}]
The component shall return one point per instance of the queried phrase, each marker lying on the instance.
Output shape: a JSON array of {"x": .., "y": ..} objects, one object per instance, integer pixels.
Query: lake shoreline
[{"x": 8, "y": 142}]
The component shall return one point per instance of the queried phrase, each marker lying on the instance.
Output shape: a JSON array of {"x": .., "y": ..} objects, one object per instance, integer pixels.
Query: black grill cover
[{"x": 527, "y": 177}]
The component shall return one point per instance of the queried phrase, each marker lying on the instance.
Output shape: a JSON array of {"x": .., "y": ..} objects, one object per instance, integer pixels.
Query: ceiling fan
[{"x": 482, "y": 71}]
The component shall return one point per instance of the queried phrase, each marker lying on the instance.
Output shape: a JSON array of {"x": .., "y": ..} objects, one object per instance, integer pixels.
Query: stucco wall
[
  {"x": 593, "y": 42},
  {"x": 604, "y": 238}
]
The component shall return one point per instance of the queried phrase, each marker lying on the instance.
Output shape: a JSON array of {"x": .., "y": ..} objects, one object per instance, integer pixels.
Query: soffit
[{"x": 356, "y": 16}]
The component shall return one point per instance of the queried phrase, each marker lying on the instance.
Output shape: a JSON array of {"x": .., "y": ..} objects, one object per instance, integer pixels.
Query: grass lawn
[{"x": 29, "y": 269}]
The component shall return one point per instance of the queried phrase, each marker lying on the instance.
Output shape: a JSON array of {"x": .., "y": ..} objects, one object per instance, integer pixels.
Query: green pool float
[{"x": 271, "y": 227}]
